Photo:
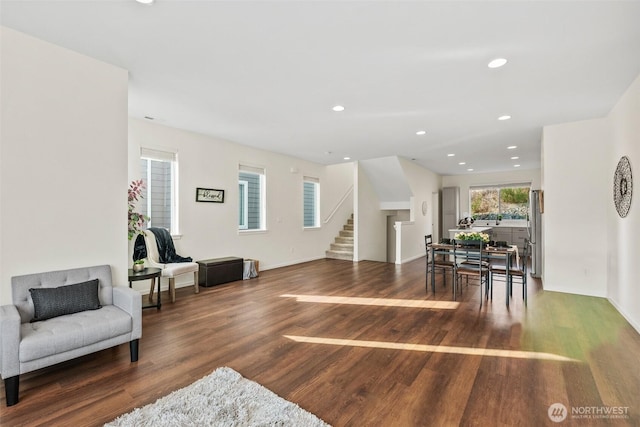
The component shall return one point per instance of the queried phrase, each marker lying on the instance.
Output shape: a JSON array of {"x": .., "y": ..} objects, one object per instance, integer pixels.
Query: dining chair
[
  {"x": 470, "y": 264},
  {"x": 439, "y": 263},
  {"x": 517, "y": 273},
  {"x": 484, "y": 263}
]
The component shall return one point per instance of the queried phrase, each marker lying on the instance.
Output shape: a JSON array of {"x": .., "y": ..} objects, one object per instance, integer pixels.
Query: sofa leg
[
  {"x": 11, "y": 386},
  {"x": 133, "y": 348},
  {"x": 196, "y": 280}
]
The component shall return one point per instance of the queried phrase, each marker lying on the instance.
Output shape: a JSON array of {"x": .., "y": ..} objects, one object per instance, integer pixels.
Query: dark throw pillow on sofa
[{"x": 54, "y": 302}]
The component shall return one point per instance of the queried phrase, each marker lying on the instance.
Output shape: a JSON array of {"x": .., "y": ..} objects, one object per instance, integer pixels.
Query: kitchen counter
[
  {"x": 482, "y": 229},
  {"x": 516, "y": 223}
]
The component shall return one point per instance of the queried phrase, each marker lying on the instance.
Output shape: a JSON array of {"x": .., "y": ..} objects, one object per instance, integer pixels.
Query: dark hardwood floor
[{"x": 362, "y": 362}]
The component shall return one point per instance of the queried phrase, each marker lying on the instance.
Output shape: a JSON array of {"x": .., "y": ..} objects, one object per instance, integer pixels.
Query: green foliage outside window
[
  {"x": 518, "y": 195},
  {"x": 494, "y": 203}
]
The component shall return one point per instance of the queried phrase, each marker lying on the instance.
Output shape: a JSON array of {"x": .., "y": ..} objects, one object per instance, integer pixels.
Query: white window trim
[
  {"x": 262, "y": 173},
  {"x": 317, "y": 222},
  {"x": 244, "y": 196},
  {"x": 172, "y": 157},
  {"x": 263, "y": 202}
]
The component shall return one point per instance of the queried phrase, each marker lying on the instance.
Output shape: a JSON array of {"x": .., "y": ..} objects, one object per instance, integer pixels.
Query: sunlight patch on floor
[
  {"x": 382, "y": 302},
  {"x": 468, "y": 351}
]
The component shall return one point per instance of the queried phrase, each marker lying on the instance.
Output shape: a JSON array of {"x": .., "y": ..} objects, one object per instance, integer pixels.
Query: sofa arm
[
  {"x": 130, "y": 301},
  {"x": 9, "y": 341}
]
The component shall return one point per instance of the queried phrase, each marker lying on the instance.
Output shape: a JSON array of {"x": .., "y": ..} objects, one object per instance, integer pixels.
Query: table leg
[
  {"x": 157, "y": 280},
  {"x": 433, "y": 271},
  {"x": 455, "y": 283}
]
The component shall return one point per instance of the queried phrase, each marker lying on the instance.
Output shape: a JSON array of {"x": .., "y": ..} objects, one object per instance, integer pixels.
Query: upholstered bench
[{"x": 220, "y": 270}]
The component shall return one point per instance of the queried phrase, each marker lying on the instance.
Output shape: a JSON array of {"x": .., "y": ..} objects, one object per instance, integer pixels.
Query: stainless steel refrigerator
[{"x": 535, "y": 232}]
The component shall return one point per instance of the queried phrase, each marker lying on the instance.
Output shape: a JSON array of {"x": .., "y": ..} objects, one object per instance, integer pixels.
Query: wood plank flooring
[{"x": 367, "y": 365}]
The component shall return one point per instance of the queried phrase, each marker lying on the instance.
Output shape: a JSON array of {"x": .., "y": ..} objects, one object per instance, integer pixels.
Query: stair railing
[{"x": 340, "y": 203}]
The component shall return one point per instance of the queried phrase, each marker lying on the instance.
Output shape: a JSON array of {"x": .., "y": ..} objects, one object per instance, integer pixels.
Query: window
[
  {"x": 159, "y": 170},
  {"x": 509, "y": 201},
  {"x": 243, "y": 191},
  {"x": 251, "y": 190},
  {"x": 311, "y": 202}
]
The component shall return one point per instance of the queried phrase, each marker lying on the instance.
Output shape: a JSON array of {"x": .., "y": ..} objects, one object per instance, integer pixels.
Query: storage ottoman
[{"x": 220, "y": 270}]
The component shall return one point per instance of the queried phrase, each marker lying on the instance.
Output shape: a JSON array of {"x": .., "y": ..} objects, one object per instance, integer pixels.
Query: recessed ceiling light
[
  {"x": 511, "y": 147},
  {"x": 505, "y": 117},
  {"x": 497, "y": 63},
  {"x": 516, "y": 166},
  {"x": 450, "y": 155},
  {"x": 515, "y": 158},
  {"x": 470, "y": 169},
  {"x": 421, "y": 132},
  {"x": 145, "y": 1},
  {"x": 347, "y": 158},
  {"x": 338, "y": 108},
  {"x": 462, "y": 163}
]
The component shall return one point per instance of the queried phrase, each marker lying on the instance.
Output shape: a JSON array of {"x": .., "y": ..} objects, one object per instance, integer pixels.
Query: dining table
[{"x": 504, "y": 254}]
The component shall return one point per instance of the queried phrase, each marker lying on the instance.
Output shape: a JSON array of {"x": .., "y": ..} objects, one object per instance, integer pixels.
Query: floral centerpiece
[{"x": 472, "y": 235}]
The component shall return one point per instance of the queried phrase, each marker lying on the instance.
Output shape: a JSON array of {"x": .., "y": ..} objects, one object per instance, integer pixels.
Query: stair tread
[{"x": 343, "y": 246}]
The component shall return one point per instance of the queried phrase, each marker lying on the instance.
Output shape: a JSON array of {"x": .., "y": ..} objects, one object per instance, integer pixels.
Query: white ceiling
[{"x": 266, "y": 73}]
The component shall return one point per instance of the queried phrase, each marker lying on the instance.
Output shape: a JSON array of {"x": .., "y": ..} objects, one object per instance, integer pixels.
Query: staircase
[{"x": 342, "y": 248}]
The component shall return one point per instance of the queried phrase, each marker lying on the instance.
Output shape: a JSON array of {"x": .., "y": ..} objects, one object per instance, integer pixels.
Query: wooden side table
[{"x": 148, "y": 273}]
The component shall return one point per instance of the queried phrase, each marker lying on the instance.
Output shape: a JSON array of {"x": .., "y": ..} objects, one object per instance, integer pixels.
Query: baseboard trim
[
  {"x": 413, "y": 258},
  {"x": 625, "y": 315}
]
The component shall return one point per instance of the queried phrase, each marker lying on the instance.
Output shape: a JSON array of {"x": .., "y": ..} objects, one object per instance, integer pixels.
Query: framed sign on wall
[{"x": 209, "y": 195}]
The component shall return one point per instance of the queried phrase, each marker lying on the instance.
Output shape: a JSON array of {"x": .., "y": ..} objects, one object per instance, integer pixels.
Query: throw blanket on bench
[{"x": 166, "y": 249}]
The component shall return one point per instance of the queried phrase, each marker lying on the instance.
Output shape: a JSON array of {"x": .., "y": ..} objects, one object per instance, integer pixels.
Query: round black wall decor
[{"x": 623, "y": 186}]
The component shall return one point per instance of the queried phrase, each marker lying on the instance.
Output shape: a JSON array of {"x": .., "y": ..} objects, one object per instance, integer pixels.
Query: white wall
[
  {"x": 577, "y": 195},
  {"x": 422, "y": 183},
  {"x": 63, "y": 157},
  {"x": 370, "y": 234},
  {"x": 210, "y": 230},
  {"x": 623, "y": 277},
  {"x": 579, "y": 163},
  {"x": 389, "y": 181}
]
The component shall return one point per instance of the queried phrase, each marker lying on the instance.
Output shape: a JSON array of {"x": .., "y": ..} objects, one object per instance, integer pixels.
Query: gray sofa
[{"x": 36, "y": 332}]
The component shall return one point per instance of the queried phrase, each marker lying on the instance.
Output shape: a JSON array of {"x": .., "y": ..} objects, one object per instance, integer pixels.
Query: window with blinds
[
  {"x": 159, "y": 172},
  {"x": 311, "y": 202},
  {"x": 251, "y": 190}
]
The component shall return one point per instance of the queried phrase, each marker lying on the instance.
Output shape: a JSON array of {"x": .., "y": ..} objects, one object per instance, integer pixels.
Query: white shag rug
[{"x": 223, "y": 398}]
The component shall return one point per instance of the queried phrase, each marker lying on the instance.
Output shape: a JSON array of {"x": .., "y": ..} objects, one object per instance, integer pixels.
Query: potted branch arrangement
[{"x": 136, "y": 219}]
